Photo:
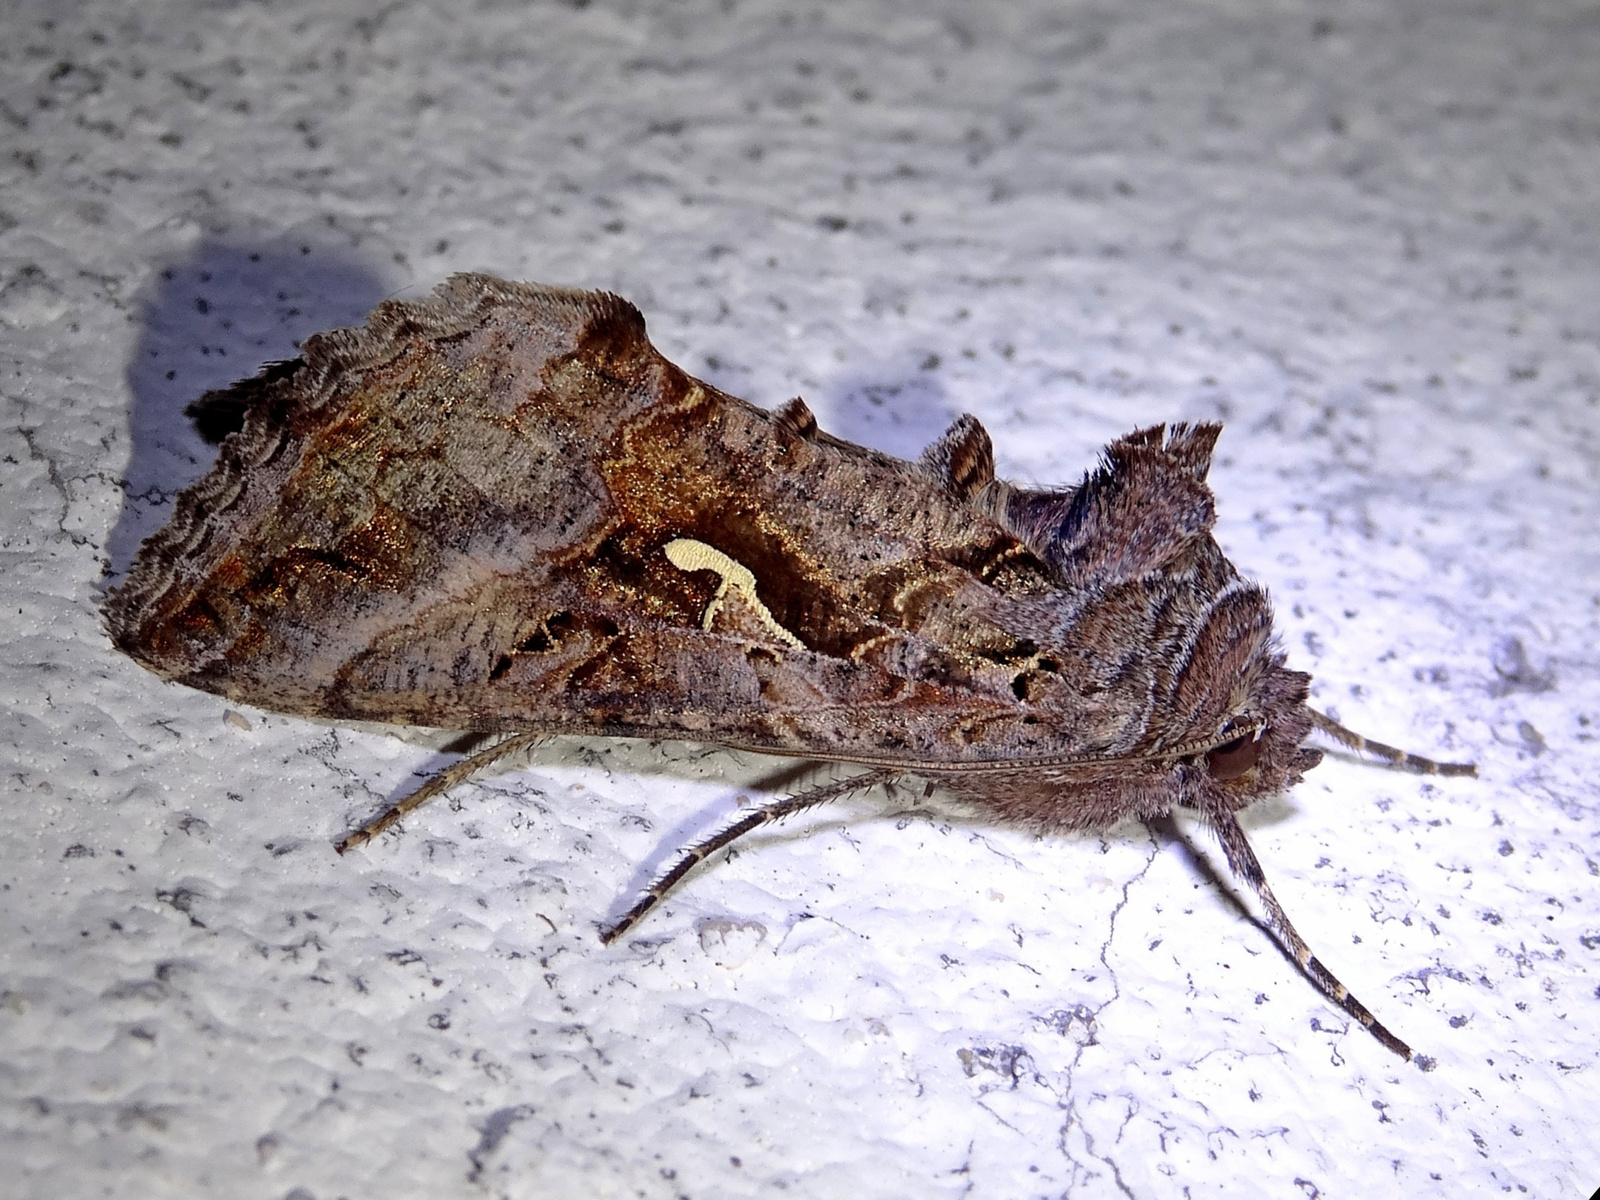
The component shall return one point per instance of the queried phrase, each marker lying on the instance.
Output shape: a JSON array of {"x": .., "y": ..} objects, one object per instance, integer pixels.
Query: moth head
[
  {"x": 1238, "y": 714},
  {"x": 1258, "y": 751}
]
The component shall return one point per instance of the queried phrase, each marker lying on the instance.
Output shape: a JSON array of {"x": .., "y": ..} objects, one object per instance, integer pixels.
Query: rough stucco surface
[{"x": 1363, "y": 234}]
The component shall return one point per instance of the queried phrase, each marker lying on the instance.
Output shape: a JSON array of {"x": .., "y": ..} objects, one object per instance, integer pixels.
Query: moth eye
[{"x": 1232, "y": 759}]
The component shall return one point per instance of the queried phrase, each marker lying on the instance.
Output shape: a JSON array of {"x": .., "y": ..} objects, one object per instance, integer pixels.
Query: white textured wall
[{"x": 1364, "y": 234}]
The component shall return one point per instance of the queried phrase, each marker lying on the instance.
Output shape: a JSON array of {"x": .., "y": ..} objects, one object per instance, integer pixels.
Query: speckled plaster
[{"x": 1363, "y": 234}]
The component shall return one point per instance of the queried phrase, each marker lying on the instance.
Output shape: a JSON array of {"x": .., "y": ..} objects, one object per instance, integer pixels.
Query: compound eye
[{"x": 1232, "y": 759}]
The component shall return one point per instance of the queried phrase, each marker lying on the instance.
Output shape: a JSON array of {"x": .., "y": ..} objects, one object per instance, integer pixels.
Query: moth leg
[
  {"x": 440, "y": 783},
  {"x": 1400, "y": 758},
  {"x": 765, "y": 815},
  {"x": 1247, "y": 868}
]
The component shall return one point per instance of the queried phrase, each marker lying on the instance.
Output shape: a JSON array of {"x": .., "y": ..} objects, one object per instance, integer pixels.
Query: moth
[{"x": 501, "y": 510}]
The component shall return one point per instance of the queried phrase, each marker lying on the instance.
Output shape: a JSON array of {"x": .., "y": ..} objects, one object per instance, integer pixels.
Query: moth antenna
[
  {"x": 1247, "y": 869},
  {"x": 1389, "y": 754},
  {"x": 442, "y": 782},
  {"x": 765, "y": 815}
]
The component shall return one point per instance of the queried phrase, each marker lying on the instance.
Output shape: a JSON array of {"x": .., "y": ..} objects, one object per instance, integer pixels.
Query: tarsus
[{"x": 442, "y": 782}]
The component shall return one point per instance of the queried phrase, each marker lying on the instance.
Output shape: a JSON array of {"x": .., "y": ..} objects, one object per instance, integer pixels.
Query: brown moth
[{"x": 501, "y": 510}]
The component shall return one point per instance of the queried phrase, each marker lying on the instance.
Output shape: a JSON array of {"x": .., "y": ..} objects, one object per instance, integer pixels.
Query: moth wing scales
[{"x": 380, "y": 450}]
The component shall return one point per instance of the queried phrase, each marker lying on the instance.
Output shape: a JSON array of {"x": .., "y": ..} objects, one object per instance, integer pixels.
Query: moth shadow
[
  {"x": 1201, "y": 861},
  {"x": 207, "y": 320},
  {"x": 898, "y": 410},
  {"x": 764, "y": 778},
  {"x": 706, "y": 820},
  {"x": 1206, "y": 863},
  {"x": 913, "y": 797}
]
